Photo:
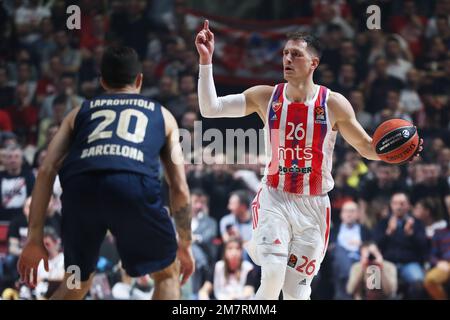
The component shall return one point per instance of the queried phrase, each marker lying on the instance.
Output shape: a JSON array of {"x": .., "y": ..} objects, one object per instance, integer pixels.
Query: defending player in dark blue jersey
[{"x": 107, "y": 153}]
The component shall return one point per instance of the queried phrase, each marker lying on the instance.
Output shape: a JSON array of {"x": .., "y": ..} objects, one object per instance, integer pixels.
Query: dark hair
[
  {"x": 312, "y": 42},
  {"x": 199, "y": 193},
  {"x": 434, "y": 205},
  {"x": 367, "y": 243},
  {"x": 70, "y": 75},
  {"x": 59, "y": 99},
  {"x": 242, "y": 196},
  {"x": 51, "y": 233},
  {"x": 228, "y": 270},
  {"x": 120, "y": 66}
]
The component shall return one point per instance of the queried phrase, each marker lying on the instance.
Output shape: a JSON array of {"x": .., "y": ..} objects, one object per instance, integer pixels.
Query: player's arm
[
  {"x": 346, "y": 123},
  {"x": 172, "y": 160},
  {"x": 180, "y": 204},
  {"x": 43, "y": 187},
  {"x": 34, "y": 250},
  {"x": 230, "y": 106}
]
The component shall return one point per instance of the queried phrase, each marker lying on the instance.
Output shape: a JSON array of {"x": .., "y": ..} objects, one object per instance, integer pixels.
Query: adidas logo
[
  {"x": 303, "y": 282},
  {"x": 274, "y": 117},
  {"x": 277, "y": 241}
]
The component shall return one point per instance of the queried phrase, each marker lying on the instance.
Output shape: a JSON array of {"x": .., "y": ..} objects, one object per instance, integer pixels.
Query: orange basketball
[{"x": 395, "y": 140}]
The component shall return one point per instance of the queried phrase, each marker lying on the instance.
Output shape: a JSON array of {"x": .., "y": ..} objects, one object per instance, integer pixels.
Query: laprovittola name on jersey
[{"x": 150, "y": 105}]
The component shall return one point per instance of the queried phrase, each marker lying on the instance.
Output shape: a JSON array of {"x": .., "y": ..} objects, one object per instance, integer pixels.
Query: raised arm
[
  {"x": 231, "y": 106},
  {"x": 180, "y": 204}
]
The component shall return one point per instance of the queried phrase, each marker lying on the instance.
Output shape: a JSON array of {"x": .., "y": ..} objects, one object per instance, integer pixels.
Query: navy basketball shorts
[{"x": 126, "y": 204}]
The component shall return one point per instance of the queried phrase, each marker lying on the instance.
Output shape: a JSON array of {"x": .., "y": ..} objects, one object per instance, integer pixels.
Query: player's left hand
[
  {"x": 187, "y": 265},
  {"x": 27, "y": 266},
  {"x": 418, "y": 151}
]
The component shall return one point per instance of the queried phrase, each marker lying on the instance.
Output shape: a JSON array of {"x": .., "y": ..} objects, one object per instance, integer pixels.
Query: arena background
[{"x": 401, "y": 70}]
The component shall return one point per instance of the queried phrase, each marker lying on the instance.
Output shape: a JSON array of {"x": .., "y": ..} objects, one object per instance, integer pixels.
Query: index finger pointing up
[{"x": 206, "y": 25}]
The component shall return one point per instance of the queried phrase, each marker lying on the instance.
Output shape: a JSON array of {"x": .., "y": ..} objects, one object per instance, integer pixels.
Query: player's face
[{"x": 298, "y": 62}]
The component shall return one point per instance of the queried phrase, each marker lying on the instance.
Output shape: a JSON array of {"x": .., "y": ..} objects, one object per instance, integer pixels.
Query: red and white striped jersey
[{"x": 299, "y": 143}]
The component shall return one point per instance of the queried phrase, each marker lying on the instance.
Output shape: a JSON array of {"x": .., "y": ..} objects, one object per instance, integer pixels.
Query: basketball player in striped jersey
[{"x": 291, "y": 211}]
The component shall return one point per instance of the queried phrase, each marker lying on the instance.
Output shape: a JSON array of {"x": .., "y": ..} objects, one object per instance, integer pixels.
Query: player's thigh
[
  {"x": 145, "y": 235},
  {"x": 83, "y": 227},
  {"x": 272, "y": 234},
  {"x": 170, "y": 272}
]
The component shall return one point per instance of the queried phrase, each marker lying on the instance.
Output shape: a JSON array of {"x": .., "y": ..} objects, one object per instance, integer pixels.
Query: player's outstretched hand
[
  {"x": 204, "y": 41},
  {"x": 418, "y": 151},
  {"x": 32, "y": 254},
  {"x": 186, "y": 259}
]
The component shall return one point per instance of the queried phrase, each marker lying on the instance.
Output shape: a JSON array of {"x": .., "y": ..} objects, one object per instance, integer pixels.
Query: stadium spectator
[
  {"x": 379, "y": 82},
  {"x": 70, "y": 57},
  {"x": 402, "y": 240},
  {"x": 429, "y": 210},
  {"x": 16, "y": 184},
  {"x": 373, "y": 277},
  {"x": 345, "y": 241},
  {"x": 66, "y": 86},
  {"x": 24, "y": 116},
  {"x": 230, "y": 275},
  {"x": 393, "y": 109},
  {"x": 429, "y": 182},
  {"x": 52, "y": 72},
  {"x": 48, "y": 280},
  {"x": 204, "y": 230},
  {"x": 237, "y": 224},
  {"x": 438, "y": 277},
  {"x": 356, "y": 98},
  {"x": 376, "y": 192}
]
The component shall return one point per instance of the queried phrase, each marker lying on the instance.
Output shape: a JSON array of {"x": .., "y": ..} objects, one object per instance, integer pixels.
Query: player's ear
[
  {"x": 138, "y": 81},
  {"x": 314, "y": 62},
  {"x": 103, "y": 84}
]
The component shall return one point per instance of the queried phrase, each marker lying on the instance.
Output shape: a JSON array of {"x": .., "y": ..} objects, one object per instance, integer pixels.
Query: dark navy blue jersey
[{"x": 116, "y": 132}]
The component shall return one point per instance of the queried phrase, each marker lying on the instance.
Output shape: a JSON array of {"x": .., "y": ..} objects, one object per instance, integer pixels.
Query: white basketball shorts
[{"x": 293, "y": 230}]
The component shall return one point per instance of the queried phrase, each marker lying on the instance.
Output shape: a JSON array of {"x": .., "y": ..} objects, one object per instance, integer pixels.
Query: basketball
[{"x": 395, "y": 141}]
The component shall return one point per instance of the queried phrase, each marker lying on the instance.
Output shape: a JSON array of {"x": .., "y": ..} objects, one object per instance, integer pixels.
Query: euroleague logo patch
[
  {"x": 405, "y": 134},
  {"x": 292, "y": 260},
  {"x": 319, "y": 115}
]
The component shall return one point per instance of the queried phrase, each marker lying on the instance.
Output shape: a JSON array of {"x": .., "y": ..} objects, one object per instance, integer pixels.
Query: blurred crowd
[{"x": 388, "y": 219}]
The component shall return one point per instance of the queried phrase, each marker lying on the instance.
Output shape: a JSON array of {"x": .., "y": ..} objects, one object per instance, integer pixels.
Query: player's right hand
[
  {"x": 187, "y": 264},
  {"x": 204, "y": 41},
  {"x": 27, "y": 266}
]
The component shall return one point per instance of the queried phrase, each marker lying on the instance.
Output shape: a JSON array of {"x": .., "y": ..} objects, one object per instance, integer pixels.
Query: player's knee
[
  {"x": 297, "y": 288},
  {"x": 170, "y": 273},
  {"x": 272, "y": 279},
  {"x": 302, "y": 293}
]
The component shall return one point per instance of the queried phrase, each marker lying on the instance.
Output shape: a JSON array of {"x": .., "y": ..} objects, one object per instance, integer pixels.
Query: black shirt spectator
[{"x": 16, "y": 184}]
